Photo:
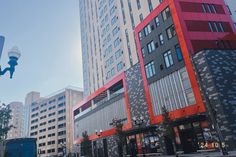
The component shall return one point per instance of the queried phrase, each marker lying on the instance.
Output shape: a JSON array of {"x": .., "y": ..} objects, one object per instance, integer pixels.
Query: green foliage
[
  {"x": 86, "y": 145},
  {"x": 5, "y": 116}
]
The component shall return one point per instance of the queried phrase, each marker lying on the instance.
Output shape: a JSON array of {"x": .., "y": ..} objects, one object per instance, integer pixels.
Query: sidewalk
[
  {"x": 212, "y": 154},
  {"x": 205, "y": 154}
]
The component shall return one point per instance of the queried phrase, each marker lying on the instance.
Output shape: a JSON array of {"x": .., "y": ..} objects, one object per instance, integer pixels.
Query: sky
[{"x": 47, "y": 32}]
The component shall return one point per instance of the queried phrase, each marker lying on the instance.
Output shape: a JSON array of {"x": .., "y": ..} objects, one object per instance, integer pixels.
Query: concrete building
[
  {"x": 167, "y": 40},
  {"x": 51, "y": 122},
  {"x": 231, "y": 5},
  {"x": 108, "y": 43},
  {"x": 16, "y": 120},
  {"x": 29, "y": 99}
]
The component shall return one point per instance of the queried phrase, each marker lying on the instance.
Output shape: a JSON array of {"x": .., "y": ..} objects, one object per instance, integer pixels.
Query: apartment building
[
  {"x": 231, "y": 5},
  {"x": 29, "y": 99},
  {"x": 51, "y": 122},
  {"x": 16, "y": 121},
  {"x": 108, "y": 45},
  {"x": 186, "y": 49}
]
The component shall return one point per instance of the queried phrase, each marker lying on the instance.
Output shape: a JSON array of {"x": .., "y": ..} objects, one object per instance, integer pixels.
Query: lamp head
[{"x": 14, "y": 53}]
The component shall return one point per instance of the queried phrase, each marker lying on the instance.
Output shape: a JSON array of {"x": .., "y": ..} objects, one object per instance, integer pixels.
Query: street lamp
[
  {"x": 118, "y": 125},
  {"x": 98, "y": 133},
  {"x": 139, "y": 122},
  {"x": 63, "y": 147},
  {"x": 14, "y": 55},
  {"x": 39, "y": 152}
]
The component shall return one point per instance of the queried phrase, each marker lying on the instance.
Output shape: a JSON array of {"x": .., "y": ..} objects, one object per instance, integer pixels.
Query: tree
[
  {"x": 118, "y": 125},
  {"x": 5, "y": 116},
  {"x": 169, "y": 133},
  {"x": 86, "y": 145}
]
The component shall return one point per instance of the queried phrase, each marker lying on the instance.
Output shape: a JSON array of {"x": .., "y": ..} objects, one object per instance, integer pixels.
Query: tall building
[
  {"x": 51, "y": 122},
  {"x": 231, "y": 5},
  {"x": 16, "y": 121},
  {"x": 29, "y": 99},
  {"x": 108, "y": 43},
  {"x": 186, "y": 52}
]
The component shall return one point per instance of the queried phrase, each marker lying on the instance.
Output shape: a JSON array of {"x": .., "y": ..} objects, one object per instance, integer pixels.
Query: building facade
[
  {"x": 107, "y": 30},
  {"x": 166, "y": 76},
  {"x": 16, "y": 121},
  {"x": 51, "y": 122},
  {"x": 231, "y": 5},
  {"x": 29, "y": 99}
]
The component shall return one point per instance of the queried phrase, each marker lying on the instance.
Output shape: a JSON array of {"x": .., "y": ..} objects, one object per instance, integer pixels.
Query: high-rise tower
[{"x": 108, "y": 42}]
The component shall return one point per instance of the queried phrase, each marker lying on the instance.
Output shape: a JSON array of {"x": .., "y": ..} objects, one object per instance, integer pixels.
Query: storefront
[
  {"x": 142, "y": 141},
  {"x": 194, "y": 134}
]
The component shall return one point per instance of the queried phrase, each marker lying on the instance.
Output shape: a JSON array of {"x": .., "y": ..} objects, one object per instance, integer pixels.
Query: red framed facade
[
  {"x": 184, "y": 37},
  {"x": 128, "y": 125}
]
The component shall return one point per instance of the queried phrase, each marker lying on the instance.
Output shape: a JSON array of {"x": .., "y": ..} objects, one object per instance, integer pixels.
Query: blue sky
[{"x": 48, "y": 34}]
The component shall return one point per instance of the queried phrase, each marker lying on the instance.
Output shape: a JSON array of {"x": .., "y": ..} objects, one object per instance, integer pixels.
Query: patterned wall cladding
[
  {"x": 173, "y": 91},
  {"x": 136, "y": 94},
  {"x": 100, "y": 117},
  {"x": 217, "y": 71}
]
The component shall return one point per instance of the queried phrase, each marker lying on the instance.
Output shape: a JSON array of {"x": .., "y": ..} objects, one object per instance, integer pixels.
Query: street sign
[{"x": 2, "y": 39}]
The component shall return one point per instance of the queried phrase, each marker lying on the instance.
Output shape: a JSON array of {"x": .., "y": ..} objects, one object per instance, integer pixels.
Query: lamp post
[
  {"x": 14, "y": 55},
  {"x": 63, "y": 147},
  {"x": 39, "y": 152},
  {"x": 139, "y": 122},
  {"x": 98, "y": 133},
  {"x": 118, "y": 125}
]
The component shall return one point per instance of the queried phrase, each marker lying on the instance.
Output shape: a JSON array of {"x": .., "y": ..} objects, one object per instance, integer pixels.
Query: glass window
[
  {"x": 118, "y": 53},
  {"x": 115, "y": 31},
  {"x": 221, "y": 27},
  {"x": 178, "y": 53},
  {"x": 120, "y": 66},
  {"x": 208, "y": 8},
  {"x": 157, "y": 21},
  {"x": 213, "y": 8},
  {"x": 147, "y": 30},
  {"x": 171, "y": 32},
  {"x": 141, "y": 17},
  {"x": 112, "y": 10},
  {"x": 112, "y": 71},
  {"x": 210, "y": 26},
  {"x": 166, "y": 14},
  {"x": 216, "y": 27},
  {"x": 161, "y": 38},
  {"x": 203, "y": 8},
  {"x": 143, "y": 52},
  {"x": 151, "y": 47},
  {"x": 150, "y": 5},
  {"x": 140, "y": 36},
  {"x": 138, "y": 4},
  {"x": 168, "y": 59},
  {"x": 150, "y": 69},
  {"x": 113, "y": 20},
  {"x": 116, "y": 42}
]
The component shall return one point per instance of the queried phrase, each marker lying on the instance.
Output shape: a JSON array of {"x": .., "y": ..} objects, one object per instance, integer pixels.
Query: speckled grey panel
[
  {"x": 136, "y": 94},
  {"x": 112, "y": 146},
  {"x": 217, "y": 69}
]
